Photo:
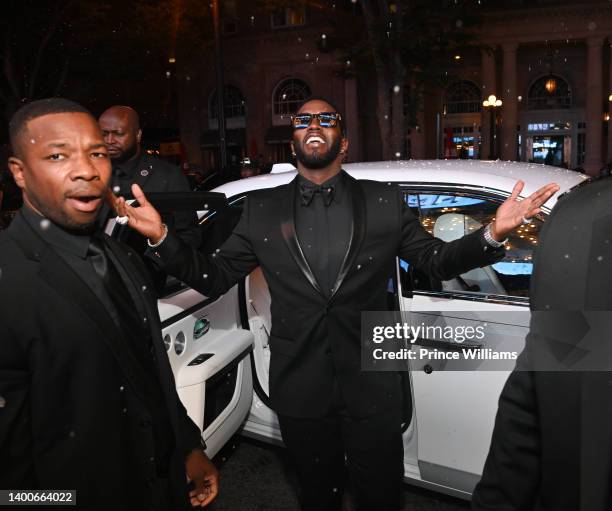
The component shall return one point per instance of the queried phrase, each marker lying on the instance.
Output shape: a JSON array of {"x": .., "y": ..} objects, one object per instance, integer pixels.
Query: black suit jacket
[
  {"x": 75, "y": 414},
  {"x": 316, "y": 339},
  {"x": 551, "y": 446},
  {"x": 155, "y": 175}
]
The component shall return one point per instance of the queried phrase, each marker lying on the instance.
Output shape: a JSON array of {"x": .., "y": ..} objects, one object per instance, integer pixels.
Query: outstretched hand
[
  {"x": 514, "y": 212},
  {"x": 145, "y": 219}
]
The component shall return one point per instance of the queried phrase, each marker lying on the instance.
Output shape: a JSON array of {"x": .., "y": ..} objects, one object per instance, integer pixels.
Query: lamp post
[
  {"x": 492, "y": 103},
  {"x": 220, "y": 88}
]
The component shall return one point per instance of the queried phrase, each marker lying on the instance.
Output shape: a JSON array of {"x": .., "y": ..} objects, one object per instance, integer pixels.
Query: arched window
[
  {"x": 549, "y": 92},
  {"x": 289, "y": 94},
  {"x": 233, "y": 103},
  {"x": 463, "y": 98}
]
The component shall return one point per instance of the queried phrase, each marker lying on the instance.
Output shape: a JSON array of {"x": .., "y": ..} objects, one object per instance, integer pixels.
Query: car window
[
  {"x": 449, "y": 216},
  {"x": 216, "y": 226},
  {"x": 213, "y": 216}
]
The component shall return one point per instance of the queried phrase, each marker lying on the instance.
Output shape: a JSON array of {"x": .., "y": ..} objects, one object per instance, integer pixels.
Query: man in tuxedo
[
  {"x": 552, "y": 441},
  {"x": 327, "y": 245},
  {"x": 88, "y": 401},
  {"x": 120, "y": 127}
]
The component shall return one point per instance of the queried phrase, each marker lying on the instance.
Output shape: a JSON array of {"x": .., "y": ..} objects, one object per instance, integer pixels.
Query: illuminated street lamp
[
  {"x": 492, "y": 103},
  {"x": 551, "y": 84}
]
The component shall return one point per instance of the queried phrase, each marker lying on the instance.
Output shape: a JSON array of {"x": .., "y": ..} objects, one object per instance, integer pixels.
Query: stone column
[
  {"x": 594, "y": 112},
  {"x": 487, "y": 87},
  {"x": 606, "y": 95},
  {"x": 417, "y": 139},
  {"x": 510, "y": 102},
  {"x": 190, "y": 127}
]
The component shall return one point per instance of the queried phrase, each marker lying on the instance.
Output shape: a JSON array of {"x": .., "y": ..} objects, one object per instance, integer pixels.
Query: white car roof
[{"x": 498, "y": 175}]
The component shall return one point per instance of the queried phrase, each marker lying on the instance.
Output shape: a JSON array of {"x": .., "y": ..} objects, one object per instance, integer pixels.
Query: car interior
[{"x": 452, "y": 226}]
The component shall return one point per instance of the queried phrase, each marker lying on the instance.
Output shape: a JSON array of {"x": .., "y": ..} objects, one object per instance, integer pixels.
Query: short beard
[
  {"x": 126, "y": 155},
  {"x": 316, "y": 161},
  {"x": 61, "y": 219}
]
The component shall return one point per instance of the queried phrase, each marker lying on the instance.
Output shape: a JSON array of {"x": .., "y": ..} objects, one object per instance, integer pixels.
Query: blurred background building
[
  {"x": 411, "y": 76},
  {"x": 548, "y": 62}
]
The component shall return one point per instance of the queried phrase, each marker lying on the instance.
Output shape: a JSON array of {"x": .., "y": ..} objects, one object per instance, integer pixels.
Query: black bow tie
[{"x": 308, "y": 192}]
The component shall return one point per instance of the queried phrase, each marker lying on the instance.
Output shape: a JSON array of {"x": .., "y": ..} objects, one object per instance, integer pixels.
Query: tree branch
[
  {"x": 62, "y": 78},
  {"x": 9, "y": 73},
  {"x": 59, "y": 15}
]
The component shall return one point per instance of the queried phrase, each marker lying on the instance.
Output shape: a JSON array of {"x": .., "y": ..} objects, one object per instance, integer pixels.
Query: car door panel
[
  {"x": 220, "y": 352},
  {"x": 262, "y": 422},
  {"x": 455, "y": 409}
]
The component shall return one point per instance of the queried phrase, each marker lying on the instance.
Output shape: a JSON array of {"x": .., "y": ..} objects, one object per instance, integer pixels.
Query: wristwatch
[{"x": 491, "y": 241}]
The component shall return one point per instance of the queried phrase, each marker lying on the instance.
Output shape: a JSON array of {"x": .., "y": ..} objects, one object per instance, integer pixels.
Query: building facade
[
  {"x": 550, "y": 67},
  {"x": 548, "y": 64},
  {"x": 273, "y": 61}
]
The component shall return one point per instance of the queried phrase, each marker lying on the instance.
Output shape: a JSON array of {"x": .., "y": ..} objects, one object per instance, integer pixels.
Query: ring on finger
[
  {"x": 123, "y": 220},
  {"x": 526, "y": 221}
]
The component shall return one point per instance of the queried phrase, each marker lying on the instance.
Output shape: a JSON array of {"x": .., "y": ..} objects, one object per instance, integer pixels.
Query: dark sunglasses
[{"x": 326, "y": 120}]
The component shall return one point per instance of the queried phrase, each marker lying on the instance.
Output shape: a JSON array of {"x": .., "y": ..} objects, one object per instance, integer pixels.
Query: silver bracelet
[
  {"x": 155, "y": 245},
  {"x": 490, "y": 239}
]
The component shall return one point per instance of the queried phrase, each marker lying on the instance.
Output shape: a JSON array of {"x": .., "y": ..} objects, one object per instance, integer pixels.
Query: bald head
[{"x": 120, "y": 126}]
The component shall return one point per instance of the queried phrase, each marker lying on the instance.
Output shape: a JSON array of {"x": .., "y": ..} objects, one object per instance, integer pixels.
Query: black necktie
[
  {"x": 135, "y": 328},
  {"x": 308, "y": 192},
  {"x": 138, "y": 335},
  {"x": 97, "y": 257}
]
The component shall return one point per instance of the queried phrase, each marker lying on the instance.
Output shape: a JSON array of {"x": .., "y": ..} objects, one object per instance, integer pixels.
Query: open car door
[
  {"x": 207, "y": 346},
  {"x": 455, "y": 403}
]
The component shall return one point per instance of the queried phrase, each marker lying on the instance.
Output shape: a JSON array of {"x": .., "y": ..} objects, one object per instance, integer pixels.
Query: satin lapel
[
  {"x": 290, "y": 236},
  {"x": 358, "y": 230},
  {"x": 595, "y": 425}
]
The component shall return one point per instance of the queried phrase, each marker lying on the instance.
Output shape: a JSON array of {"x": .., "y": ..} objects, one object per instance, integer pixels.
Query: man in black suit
[
  {"x": 120, "y": 127},
  {"x": 327, "y": 245},
  {"x": 552, "y": 443},
  {"x": 87, "y": 395}
]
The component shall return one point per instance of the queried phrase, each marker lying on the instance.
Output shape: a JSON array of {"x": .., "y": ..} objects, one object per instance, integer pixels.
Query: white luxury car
[{"x": 219, "y": 349}]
